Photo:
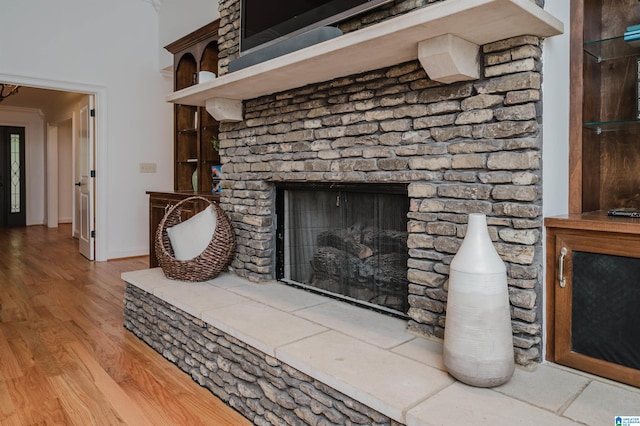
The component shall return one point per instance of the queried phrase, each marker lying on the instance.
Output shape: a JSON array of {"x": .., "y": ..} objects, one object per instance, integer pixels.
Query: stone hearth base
[
  {"x": 260, "y": 387},
  {"x": 281, "y": 355}
]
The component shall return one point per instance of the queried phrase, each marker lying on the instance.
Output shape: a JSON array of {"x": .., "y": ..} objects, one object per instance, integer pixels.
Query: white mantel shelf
[{"x": 391, "y": 42}]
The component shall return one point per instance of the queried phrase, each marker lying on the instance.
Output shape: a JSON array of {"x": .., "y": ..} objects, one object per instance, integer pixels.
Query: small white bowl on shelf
[{"x": 205, "y": 76}]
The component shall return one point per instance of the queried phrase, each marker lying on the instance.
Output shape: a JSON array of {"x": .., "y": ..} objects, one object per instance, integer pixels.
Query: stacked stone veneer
[
  {"x": 461, "y": 148},
  {"x": 261, "y": 388}
]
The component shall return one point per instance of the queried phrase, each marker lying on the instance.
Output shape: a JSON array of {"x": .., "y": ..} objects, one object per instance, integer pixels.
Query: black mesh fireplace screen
[
  {"x": 605, "y": 299},
  {"x": 350, "y": 241}
]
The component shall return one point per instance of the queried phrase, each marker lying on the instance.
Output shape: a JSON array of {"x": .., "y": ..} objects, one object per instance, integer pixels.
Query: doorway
[
  {"x": 51, "y": 109},
  {"x": 12, "y": 177},
  {"x": 70, "y": 164}
]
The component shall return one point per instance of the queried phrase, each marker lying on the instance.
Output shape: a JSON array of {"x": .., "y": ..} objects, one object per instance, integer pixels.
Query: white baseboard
[{"x": 120, "y": 254}]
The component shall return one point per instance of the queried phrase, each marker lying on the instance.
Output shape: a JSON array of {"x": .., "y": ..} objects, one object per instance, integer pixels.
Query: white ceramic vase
[{"x": 478, "y": 340}]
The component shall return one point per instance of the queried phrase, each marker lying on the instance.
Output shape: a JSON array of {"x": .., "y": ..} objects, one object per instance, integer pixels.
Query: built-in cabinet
[
  {"x": 592, "y": 258},
  {"x": 196, "y": 131},
  {"x": 195, "y": 134},
  {"x": 593, "y": 288}
]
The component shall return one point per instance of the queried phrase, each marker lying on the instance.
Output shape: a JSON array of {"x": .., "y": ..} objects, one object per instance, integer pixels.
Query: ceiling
[{"x": 50, "y": 102}]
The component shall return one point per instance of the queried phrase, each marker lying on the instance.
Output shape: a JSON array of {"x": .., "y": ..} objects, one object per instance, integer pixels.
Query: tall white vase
[{"x": 478, "y": 341}]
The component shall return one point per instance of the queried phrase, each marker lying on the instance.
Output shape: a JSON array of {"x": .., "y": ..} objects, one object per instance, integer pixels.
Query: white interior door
[{"x": 86, "y": 184}]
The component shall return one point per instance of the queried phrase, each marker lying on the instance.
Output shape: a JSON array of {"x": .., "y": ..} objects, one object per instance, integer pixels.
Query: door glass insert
[{"x": 14, "y": 173}]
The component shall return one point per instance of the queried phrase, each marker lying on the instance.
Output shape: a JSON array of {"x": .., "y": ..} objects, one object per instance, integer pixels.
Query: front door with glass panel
[{"x": 12, "y": 177}]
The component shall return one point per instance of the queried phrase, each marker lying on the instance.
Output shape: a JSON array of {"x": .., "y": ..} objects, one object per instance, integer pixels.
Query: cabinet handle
[{"x": 563, "y": 281}]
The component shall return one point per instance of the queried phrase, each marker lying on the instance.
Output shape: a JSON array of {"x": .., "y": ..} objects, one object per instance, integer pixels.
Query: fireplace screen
[{"x": 350, "y": 243}]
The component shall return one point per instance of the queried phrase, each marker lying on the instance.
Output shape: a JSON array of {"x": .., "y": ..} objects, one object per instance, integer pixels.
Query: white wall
[
  {"x": 33, "y": 122},
  {"x": 51, "y": 177},
  {"x": 59, "y": 159},
  {"x": 555, "y": 95},
  {"x": 555, "y": 128},
  {"x": 109, "y": 48},
  {"x": 178, "y": 19},
  {"x": 65, "y": 172}
]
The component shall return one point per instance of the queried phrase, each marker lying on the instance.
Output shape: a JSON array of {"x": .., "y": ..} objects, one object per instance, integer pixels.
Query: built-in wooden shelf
[
  {"x": 444, "y": 35},
  {"x": 595, "y": 221}
]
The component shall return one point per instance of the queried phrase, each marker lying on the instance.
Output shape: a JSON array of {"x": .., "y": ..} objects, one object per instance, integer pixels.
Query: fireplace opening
[{"x": 345, "y": 240}]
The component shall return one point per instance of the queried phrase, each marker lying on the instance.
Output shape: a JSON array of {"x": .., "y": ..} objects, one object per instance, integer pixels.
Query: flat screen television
[{"x": 265, "y": 22}]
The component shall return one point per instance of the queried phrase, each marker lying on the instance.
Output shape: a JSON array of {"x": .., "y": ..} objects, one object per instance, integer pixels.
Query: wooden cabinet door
[{"x": 596, "y": 294}]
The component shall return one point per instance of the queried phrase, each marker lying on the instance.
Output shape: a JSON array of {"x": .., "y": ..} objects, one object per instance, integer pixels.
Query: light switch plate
[{"x": 147, "y": 167}]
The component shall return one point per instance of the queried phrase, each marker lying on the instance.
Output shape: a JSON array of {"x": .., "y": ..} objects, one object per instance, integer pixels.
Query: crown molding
[{"x": 21, "y": 110}]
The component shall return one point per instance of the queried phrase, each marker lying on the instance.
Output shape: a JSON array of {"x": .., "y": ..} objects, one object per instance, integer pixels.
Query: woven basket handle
[{"x": 180, "y": 203}]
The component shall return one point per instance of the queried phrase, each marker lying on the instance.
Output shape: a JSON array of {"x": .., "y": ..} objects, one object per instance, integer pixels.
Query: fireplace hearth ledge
[{"x": 366, "y": 355}]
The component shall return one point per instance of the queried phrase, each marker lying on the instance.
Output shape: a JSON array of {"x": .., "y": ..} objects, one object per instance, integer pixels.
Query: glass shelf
[
  {"x": 610, "y": 126},
  {"x": 610, "y": 48}
]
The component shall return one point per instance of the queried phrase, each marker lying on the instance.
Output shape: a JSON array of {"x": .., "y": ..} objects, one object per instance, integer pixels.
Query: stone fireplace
[
  {"x": 459, "y": 148},
  {"x": 359, "y": 186}
]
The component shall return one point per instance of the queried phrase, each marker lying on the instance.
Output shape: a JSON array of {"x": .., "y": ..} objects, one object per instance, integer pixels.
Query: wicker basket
[{"x": 208, "y": 264}]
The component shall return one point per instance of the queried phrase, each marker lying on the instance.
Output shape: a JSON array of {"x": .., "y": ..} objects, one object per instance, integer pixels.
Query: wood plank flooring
[{"x": 66, "y": 359}]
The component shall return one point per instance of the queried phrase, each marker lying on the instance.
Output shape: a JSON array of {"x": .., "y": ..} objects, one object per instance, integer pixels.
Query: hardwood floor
[{"x": 65, "y": 357}]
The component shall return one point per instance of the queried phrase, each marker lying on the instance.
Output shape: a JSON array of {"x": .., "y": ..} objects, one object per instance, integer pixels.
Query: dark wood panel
[
  {"x": 209, "y": 60},
  {"x": 575, "y": 107},
  {"x": 602, "y": 166},
  {"x": 591, "y": 163},
  {"x": 201, "y": 34},
  {"x": 620, "y": 170},
  {"x": 618, "y": 76},
  {"x": 590, "y": 78},
  {"x": 186, "y": 68}
]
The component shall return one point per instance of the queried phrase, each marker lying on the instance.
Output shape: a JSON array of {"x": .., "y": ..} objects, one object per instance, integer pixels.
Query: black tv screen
[{"x": 264, "y": 22}]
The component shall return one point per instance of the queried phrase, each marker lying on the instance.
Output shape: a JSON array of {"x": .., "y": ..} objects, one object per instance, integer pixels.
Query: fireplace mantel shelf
[{"x": 445, "y": 37}]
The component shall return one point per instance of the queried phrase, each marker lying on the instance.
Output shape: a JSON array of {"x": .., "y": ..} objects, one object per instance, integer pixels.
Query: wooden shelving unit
[
  {"x": 194, "y": 128},
  {"x": 603, "y": 174}
]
